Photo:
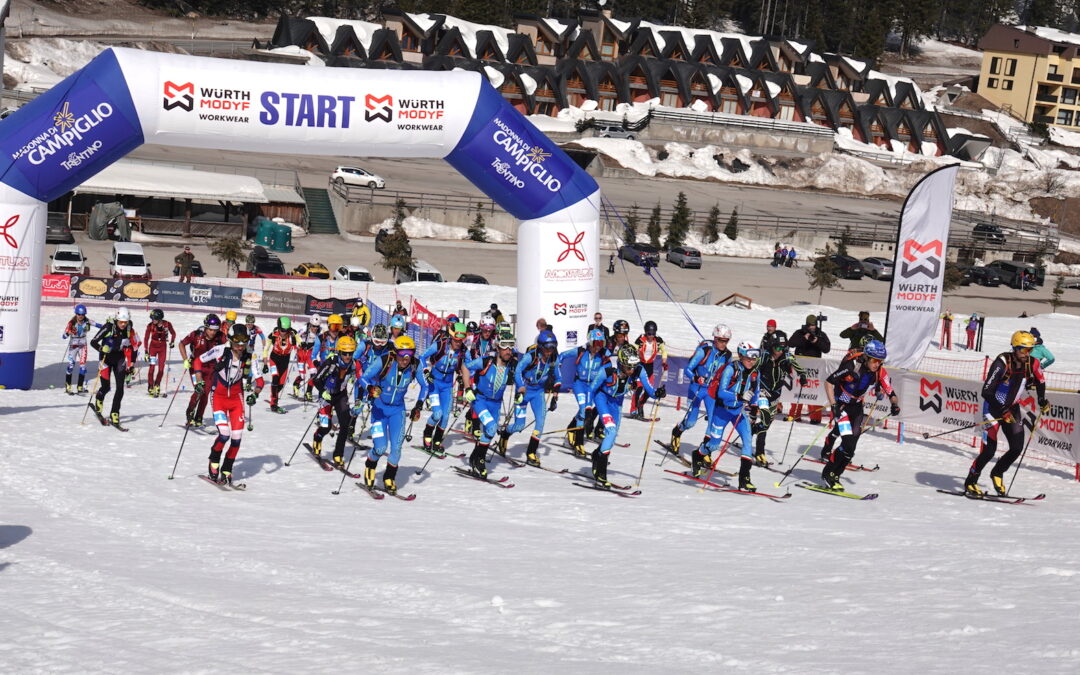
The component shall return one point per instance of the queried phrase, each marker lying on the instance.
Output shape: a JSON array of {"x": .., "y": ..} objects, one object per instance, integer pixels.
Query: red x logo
[
  {"x": 571, "y": 246},
  {"x": 10, "y": 239}
]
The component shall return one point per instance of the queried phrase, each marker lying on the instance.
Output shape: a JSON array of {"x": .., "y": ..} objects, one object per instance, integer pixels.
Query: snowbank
[
  {"x": 293, "y": 50},
  {"x": 40, "y": 63},
  {"x": 422, "y": 228}
]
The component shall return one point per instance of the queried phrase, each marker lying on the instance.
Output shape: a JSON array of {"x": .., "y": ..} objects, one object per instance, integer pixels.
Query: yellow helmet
[
  {"x": 345, "y": 345},
  {"x": 404, "y": 342},
  {"x": 1022, "y": 339},
  {"x": 230, "y": 316},
  {"x": 335, "y": 319}
]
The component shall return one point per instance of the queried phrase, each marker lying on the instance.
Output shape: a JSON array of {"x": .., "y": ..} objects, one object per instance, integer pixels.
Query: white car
[
  {"x": 352, "y": 273},
  {"x": 67, "y": 259},
  {"x": 128, "y": 262},
  {"x": 354, "y": 175}
]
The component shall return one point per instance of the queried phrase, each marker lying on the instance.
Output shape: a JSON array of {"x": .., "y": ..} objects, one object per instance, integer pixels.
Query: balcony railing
[
  {"x": 1043, "y": 119},
  {"x": 1046, "y": 98},
  {"x": 1055, "y": 77}
]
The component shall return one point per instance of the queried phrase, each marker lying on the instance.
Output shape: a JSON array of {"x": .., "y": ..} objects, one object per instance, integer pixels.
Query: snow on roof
[
  {"x": 745, "y": 83},
  {"x": 425, "y": 21},
  {"x": 798, "y": 47},
  {"x": 856, "y": 64},
  {"x": 557, "y": 27},
  {"x": 528, "y": 83},
  {"x": 328, "y": 27},
  {"x": 468, "y": 31},
  {"x": 688, "y": 35},
  {"x": 139, "y": 179},
  {"x": 816, "y": 58},
  {"x": 774, "y": 88},
  {"x": 1052, "y": 34},
  {"x": 956, "y": 131},
  {"x": 293, "y": 50},
  {"x": 892, "y": 81},
  {"x": 715, "y": 83},
  {"x": 621, "y": 25},
  {"x": 495, "y": 77}
]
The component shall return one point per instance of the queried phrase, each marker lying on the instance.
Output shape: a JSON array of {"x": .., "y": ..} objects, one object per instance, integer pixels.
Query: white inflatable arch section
[{"x": 124, "y": 98}]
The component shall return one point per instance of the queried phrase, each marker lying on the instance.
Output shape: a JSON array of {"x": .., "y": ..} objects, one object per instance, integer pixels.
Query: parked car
[
  {"x": 612, "y": 130},
  {"x": 57, "y": 230},
  {"x": 965, "y": 274},
  {"x": 985, "y": 276},
  {"x": 380, "y": 238},
  {"x": 471, "y": 279},
  {"x": 1009, "y": 271},
  {"x": 261, "y": 262},
  {"x": 68, "y": 259},
  {"x": 684, "y": 257},
  {"x": 639, "y": 253},
  {"x": 353, "y": 273},
  {"x": 421, "y": 271},
  {"x": 311, "y": 271},
  {"x": 848, "y": 267},
  {"x": 354, "y": 175},
  {"x": 878, "y": 268},
  {"x": 989, "y": 233},
  {"x": 128, "y": 261},
  {"x": 196, "y": 269}
]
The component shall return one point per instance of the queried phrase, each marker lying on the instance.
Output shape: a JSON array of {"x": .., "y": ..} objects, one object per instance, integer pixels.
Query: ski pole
[
  {"x": 969, "y": 426},
  {"x": 315, "y": 417},
  {"x": 1034, "y": 430},
  {"x": 559, "y": 431},
  {"x": 93, "y": 391},
  {"x": 791, "y": 427},
  {"x": 345, "y": 473},
  {"x": 813, "y": 442},
  {"x": 179, "y": 382},
  {"x": 251, "y": 424},
  {"x": 408, "y": 430},
  {"x": 187, "y": 428},
  {"x": 648, "y": 441}
]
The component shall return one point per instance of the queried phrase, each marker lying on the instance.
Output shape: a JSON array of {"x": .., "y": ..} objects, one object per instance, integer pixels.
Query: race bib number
[
  {"x": 153, "y": 360},
  {"x": 582, "y": 398},
  {"x": 485, "y": 417},
  {"x": 377, "y": 430},
  {"x": 220, "y": 418}
]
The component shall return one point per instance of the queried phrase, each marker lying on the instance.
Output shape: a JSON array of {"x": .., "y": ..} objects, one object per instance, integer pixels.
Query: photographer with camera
[
  {"x": 856, "y": 334},
  {"x": 809, "y": 340}
]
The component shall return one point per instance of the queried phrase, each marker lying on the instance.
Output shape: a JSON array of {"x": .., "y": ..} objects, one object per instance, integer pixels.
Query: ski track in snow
[{"x": 123, "y": 570}]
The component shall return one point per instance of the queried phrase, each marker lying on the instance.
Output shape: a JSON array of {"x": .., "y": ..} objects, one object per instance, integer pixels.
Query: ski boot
[
  {"x": 744, "y": 475},
  {"x": 212, "y": 471},
  {"x": 369, "y": 474},
  {"x": 81, "y": 389},
  {"x": 676, "y": 434},
  {"x": 316, "y": 448},
  {"x": 276, "y": 408},
  {"x": 576, "y": 439},
  {"x": 530, "y": 453},
  {"x": 308, "y": 398},
  {"x": 339, "y": 461},
  {"x": 98, "y": 405},
  {"x": 697, "y": 464},
  {"x": 114, "y": 419},
  {"x": 831, "y": 479},
  {"x": 999, "y": 485},
  {"x": 478, "y": 460},
  {"x": 599, "y": 468},
  {"x": 436, "y": 442},
  {"x": 973, "y": 490},
  {"x": 429, "y": 437},
  {"x": 69, "y": 390},
  {"x": 388, "y": 480},
  {"x": 760, "y": 459},
  {"x": 296, "y": 392},
  {"x": 500, "y": 445}
]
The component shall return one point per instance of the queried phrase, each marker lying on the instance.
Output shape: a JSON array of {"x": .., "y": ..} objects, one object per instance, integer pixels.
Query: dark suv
[
  {"x": 848, "y": 267},
  {"x": 991, "y": 234},
  {"x": 262, "y": 262},
  {"x": 640, "y": 253}
]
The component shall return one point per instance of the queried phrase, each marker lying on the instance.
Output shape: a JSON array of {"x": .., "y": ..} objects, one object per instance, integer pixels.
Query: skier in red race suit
[
  {"x": 159, "y": 337},
  {"x": 200, "y": 340},
  {"x": 279, "y": 348},
  {"x": 227, "y": 367}
]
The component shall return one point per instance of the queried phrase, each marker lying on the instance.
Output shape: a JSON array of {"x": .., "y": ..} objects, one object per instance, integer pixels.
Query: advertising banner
[
  {"x": 115, "y": 290},
  {"x": 324, "y": 307},
  {"x": 919, "y": 268},
  {"x": 421, "y": 316},
  {"x": 171, "y": 292},
  {"x": 817, "y": 369},
  {"x": 1058, "y": 435},
  {"x": 939, "y": 402},
  {"x": 251, "y": 298},
  {"x": 285, "y": 304},
  {"x": 56, "y": 286}
]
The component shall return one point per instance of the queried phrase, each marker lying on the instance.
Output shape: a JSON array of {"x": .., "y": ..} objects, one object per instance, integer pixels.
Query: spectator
[
  {"x": 777, "y": 256},
  {"x": 496, "y": 314},
  {"x": 946, "y": 330},
  {"x": 611, "y": 264},
  {"x": 809, "y": 341},
  {"x": 791, "y": 257},
  {"x": 972, "y": 328},
  {"x": 1040, "y": 352},
  {"x": 399, "y": 310},
  {"x": 771, "y": 336},
  {"x": 858, "y": 333},
  {"x": 783, "y": 255},
  {"x": 185, "y": 261},
  {"x": 542, "y": 325},
  {"x": 598, "y": 322}
]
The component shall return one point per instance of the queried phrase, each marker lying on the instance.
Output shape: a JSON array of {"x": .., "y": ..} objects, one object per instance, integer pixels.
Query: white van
[
  {"x": 128, "y": 262},
  {"x": 421, "y": 271}
]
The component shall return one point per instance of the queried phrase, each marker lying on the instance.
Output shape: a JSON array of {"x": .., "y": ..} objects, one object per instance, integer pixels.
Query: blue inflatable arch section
[{"x": 124, "y": 98}]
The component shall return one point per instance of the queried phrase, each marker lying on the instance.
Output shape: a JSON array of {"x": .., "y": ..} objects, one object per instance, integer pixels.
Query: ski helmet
[
  {"x": 875, "y": 349},
  {"x": 379, "y": 335},
  {"x": 345, "y": 345},
  {"x": 650, "y": 328},
  {"x": 404, "y": 346},
  {"x": 749, "y": 350},
  {"x": 123, "y": 315},
  {"x": 397, "y": 321},
  {"x": 721, "y": 332},
  {"x": 284, "y": 323},
  {"x": 457, "y": 331},
  {"x": 1022, "y": 339},
  {"x": 628, "y": 356},
  {"x": 212, "y": 321},
  {"x": 230, "y": 316},
  {"x": 596, "y": 335},
  {"x": 316, "y": 320},
  {"x": 506, "y": 341},
  {"x": 546, "y": 339},
  {"x": 621, "y": 327},
  {"x": 249, "y": 319},
  {"x": 452, "y": 319},
  {"x": 80, "y": 310},
  {"x": 354, "y": 322},
  {"x": 238, "y": 334},
  {"x": 487, "y": 322},
  {"x": 155, "y": 315},
  {"x": 778, "y": 342},
  {"x": 504, "y": 327},
  {"x": 335, "y": 320},
  {"x": 471, "y": 327}
]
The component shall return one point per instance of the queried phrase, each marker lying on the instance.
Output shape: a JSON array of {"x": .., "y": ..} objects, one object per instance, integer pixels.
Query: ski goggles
[{"x": 405, "y": 352}]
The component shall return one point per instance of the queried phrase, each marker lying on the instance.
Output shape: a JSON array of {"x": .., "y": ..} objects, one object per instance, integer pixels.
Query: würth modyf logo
[
  {"x": 571, "y": 246},
  {"x": 175, "y": 96},
  {"x": 378, "y": 108},
  {"x": 922, "y": 259},
  {"x": 929, "y": 395},
  {"x": 10, "y": 240},
  {"x": 558, "y": 308}
]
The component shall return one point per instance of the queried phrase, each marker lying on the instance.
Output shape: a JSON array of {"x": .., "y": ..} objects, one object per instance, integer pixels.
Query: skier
[
  {"x": 355, "y": 329},
  {"x": 385, "y": 383},
  {"x": 1009, "y": 376},
  {"x": 159, "y": 335},
  {"x": 276, "y": 354},
  {"x": 229, "y": 365},
  {"x": 620, "y": 330},
  {"x": 589, "y": 360},
  {"x": 486, "y": 339},
  {"x": 707, "y": 359},
  {"x": 228, "y": 323},
  {"x": 847, "y": 387},
  {"x": 598, "y": 322},
  {"x": 946, "y": 330},
  {"x": 376, "y": 346},
  {"x": 442, "y": 363},
  {"x": 1040, "y": 353},
  {"x": 254, "y": 333},
  {"x": 200, "y": 340},
  {"x": 537, "y": 371},
  {"x": 496, "y": 313},
  {"x": 775, "y": 365},
  {"x": 76, "y": 331},
  {"x": 397, "y": 327},
  {"x": 491, "y": 373},
  {"x": 971, "y": 328},
  {"x": 336, "y": 380},
  {"x": 809, "y": 340},
  {"x": 649, "y": 347},
  {"x": 736, "y": 390},
  {"x": 608, "y": 387},
  {"x": 117, "y": 346},
  {"x": 310, "y": 345}
]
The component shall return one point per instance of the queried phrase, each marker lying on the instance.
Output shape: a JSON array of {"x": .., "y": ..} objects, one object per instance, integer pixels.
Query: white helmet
[
  {"x": 721, "y": 331},
  {"x": 354, "y": 322},
  {"x": 749, "y": 349},
  {"x": 315, "y": 320},
  {"x": 122, "y": 315}
]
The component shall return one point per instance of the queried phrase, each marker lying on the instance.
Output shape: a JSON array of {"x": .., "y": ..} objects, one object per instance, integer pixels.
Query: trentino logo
[
  {"x": 928, "y": 256},
  {"x": 930, "y": 395},
  {"x": 175, "y": 96},
  {"x": 378, "y": 108}
]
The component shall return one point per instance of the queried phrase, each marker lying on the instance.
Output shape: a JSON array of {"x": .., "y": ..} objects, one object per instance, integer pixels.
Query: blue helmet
[
  {"x": 596, "y": 335},
  {"x": 397, "y": 321},
  {"x": 546, "y": 338},
  {"x": 875, "y": 349},
  {"x": 80, "y": 310}
]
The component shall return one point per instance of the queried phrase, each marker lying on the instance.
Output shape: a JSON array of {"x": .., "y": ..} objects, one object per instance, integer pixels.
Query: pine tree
[
  {"x": 653, "y": 228},
  {"x": 230, "y": 250},
  {"x": 1055, "y": 294},
  {"x": 823, "y": 273},
  {"x": 712, "y": 225},
  {"x": 845, "y": 239},
  {"x": 953, "y": 277},
  {"x": 679, "y": 225},
  {"x": 731, "y": 230},
  {"x": 397, "y": 251},
  {"x": 478, "y": 229},
  {"x": 633, "y": 221}
]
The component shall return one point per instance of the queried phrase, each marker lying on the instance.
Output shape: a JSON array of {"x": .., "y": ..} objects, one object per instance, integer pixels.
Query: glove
[
  {"x": 802, "y": 380},
  {"x": 415, "y": 414},
  {"x": 266, "y": 368},
  {"x": 661, "y": 392},
  {"x": 200, "y": 387},
  {"x": 428, "y": 376},
  {"x": 374, "y": 391},
  {"x": 63, "y": 336},
  {"x": 554, "y": 403},
  {"x": 187, "y": 364},
  {"x": 146, "y": 357},
  {"x": 105, "y": 349},
  {"x": 357, "y": 410},
  {"x": 252, "y": 398},
  {"x": 172, "y": 345},
  {"x": 895, "y": 409},
  {"x": 519, "y": 398},
  {"x": 1007, "y": 418},
  {"x": 665, "y": 366},
  {"x": 470, "y": 394},
  {"x": 555, "y": 388},
  {"x": 326, "y": 395},
  {"x": 747, "y": 396},
  {"x": 837, "y": 410},
  {"x": 1044, "y": 405},
  {"x": 753, "y": 410}
]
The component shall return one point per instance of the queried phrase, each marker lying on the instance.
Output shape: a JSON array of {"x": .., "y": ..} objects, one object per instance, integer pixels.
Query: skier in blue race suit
[
  {"x": 443, "y": 361},
  {"x": 707, "y": 359},
  {"x": 536, "y": 372},
  {"x": 385, "y": 384},
  {"x": 589, "y": 360},
  {"x": 491, "y": 374},
  {"x": 609, "y": 386}
]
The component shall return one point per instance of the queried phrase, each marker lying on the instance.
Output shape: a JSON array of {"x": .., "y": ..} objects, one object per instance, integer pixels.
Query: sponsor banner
[
  {"x": 171, "y": 292},
  {"x": 115, "y": 290},
  {"x": 324, "y": 306},
  {"x": 284, "y": 304},
  {"x": 196, "y": 295},
  {"x": 1058, "y": 434},
  {"x": 817, "y": 369},
  {"x": 939, "y": 402},
  {"x": 251, "y": 298},
  {"x": 425, "y": 318},
  {"x": 56, "y": 286},
  {"x": 919, "y": 267}
]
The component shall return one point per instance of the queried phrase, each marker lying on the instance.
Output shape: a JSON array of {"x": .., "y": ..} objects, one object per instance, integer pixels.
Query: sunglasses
[{"x": 722, "y": 339}]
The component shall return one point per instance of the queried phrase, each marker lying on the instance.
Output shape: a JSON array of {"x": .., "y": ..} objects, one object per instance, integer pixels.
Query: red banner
[
  {"x": 421, "y": 316},
  {"x": 56, "y": 286}
]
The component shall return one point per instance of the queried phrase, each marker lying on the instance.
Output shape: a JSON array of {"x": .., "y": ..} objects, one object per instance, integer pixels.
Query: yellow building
[{"x": 1033, "y": 73}]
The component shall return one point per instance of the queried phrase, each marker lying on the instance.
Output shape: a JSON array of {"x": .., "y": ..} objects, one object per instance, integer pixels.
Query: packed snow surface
[{"x": 108, "y": 566}]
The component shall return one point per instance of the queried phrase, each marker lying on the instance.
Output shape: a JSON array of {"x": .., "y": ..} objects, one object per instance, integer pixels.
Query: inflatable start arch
[{"x": 124, "y": 98}]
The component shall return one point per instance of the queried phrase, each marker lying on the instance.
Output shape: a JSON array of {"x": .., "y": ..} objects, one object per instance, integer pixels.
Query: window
[
  {"x": 1006, "y": 85},
  {"x": 995, "y": 65},
  {"x": 1065, "y": 117},
  {"x": 607, "y": 51},
  {"x": 1068, "y": 96},
  {"x": 409, "y": 42},
  {"x": 729, "y": 106},
  {"x": 670, "y": 100},
  {"x": 1051, "y": 69},
  {"x": 1016, "y": 44},
  {"x": 992, "y": 83},
  {"x": 1059, "y": 49},
  {"x": 1010, "y": 67}
]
